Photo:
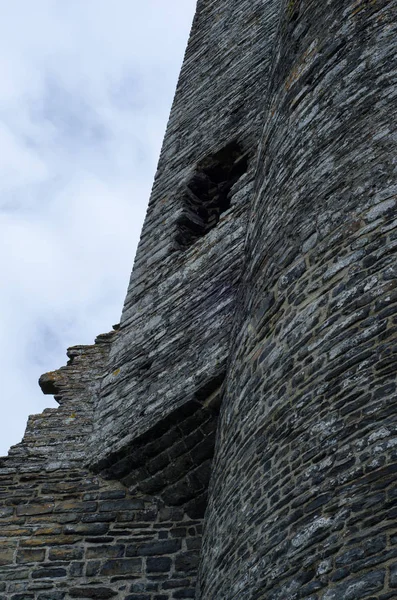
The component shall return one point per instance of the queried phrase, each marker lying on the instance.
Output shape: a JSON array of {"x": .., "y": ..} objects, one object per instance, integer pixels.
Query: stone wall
[
  {"x": 177, "y": 318},
  {"x": 261, "y": 312},
  {"x": 70, "y": 534},
  {"x": 66, "y": 533},
  {"x": 105, "y": 496},
  {"x": 303, "y": 497}
]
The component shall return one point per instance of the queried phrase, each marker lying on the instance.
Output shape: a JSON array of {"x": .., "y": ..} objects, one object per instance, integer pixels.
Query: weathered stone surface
[
  {"x": 304, "y": 469},
  {"x": 175, "y": 327},
  {"x": 7, "y": 555},
  {"x": 67, "y": 533},
  {"x": 121, "y": 566},
  {"x": 27, "y": 555},
  {"x": 261, "y": 313},
  {"x": 158, "y": 565},
  {"x": 98, "y": 593},
  {"x": 48, "y": 573}
]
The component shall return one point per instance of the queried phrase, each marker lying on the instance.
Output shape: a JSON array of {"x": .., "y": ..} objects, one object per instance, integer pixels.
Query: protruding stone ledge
[
  {"x": 85, "y": 365},
  {"x": 173, "y": 458}
]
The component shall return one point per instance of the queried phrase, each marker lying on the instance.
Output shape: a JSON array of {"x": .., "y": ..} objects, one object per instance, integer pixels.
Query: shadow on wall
[{"x": 172, "y": 460}]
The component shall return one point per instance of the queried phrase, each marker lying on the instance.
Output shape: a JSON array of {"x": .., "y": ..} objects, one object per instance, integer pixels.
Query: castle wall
[
  {"x": 66, "y": 533},
  {"x": 175, "y": 328},
  {"x": 262, "y": 305},
  {"x": 303, "y": 496},
  {"x": 104, "y": 497},
  {"x": 140, "y": 407}
]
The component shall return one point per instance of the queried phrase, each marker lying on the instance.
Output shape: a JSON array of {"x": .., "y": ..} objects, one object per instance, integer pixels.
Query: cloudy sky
[{"x": 85, "y": 91}]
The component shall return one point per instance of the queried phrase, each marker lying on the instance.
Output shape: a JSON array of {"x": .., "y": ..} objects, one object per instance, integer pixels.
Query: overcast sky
[{"x": 85, "y": 92}]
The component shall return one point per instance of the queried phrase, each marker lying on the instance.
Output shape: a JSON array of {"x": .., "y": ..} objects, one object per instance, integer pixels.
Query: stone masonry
[
  {"x": 303, "y": 495},
  {"x": 66, "y": 533},
  {"x": 234, "y": 438}
]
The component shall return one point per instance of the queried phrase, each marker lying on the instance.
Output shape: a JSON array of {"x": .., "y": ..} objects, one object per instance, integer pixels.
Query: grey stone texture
[
  {"x": 235, "y": 437},
  {"x": 67, "y": 533},
  {"x": 303, "y": 495},
  {"x": 178, "y": 314}
]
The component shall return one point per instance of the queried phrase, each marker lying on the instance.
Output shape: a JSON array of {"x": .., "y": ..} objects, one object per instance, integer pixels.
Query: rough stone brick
[
  {"x": 158, "y": 565},
  {"x": 88, "y": 529},
  {"x": 188, "y": 593},
  {"x": 154, "y": 548},
  {"x": 91, "y": 568},
  {"x": 120, "y": 505},
  {"x": 7, "y": 555},
  {"x": 65, "y": 553},
  {"x": 30, "y": 555},
  {"x": 108, "y": 551},
  {"x": 393, "y": 576},
  {"x": 35, "y": 509},
  {"x": 98, "y": 593},
  {"x": 48, "y": 572},
  {"x": 186, "y": 561},
  {"x": 74, "y": 506},
  {"x": 121, "y": 566}
]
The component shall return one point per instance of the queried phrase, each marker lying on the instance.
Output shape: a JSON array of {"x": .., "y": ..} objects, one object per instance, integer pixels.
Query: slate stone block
[
  {"x": 35, "y": 509},
  {"x": 76, "y": 569},
  {"x": 357, "y": 588},
  {"x": 158, "y": 565},
  {"x": 48, "y": 572},
  {"x": 96, "y": 593},
  {"x": 188, "y": 593},
  {"x": 7, "y": 555},
  {"x": 174, "y": 584},
  {"x": 112, "y": 494},
  {"x": 106, "y": 551},
  {"x": 92, "y": 567},
  {"x": 65, "y": 553},
  {"x": 119, "y": 505},
  {"x": 393, "y": 575},
  {"x": 30, "y": 555},
  {"x": 187, "y": 561},
  {"x": 154, "y": 548},
  {"x": 86, "y": 529},
  {"x": 75, "y": 506},
  {"x": 6, "y": 511},
  {"x": 122, "y": 566}
]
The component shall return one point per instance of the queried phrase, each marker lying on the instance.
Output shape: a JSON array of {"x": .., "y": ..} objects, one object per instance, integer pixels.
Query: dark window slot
[{"x": 207, "y": 194}]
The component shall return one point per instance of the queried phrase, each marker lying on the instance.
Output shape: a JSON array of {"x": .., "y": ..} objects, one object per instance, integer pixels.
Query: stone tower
[{"x": 249, "y": 395}]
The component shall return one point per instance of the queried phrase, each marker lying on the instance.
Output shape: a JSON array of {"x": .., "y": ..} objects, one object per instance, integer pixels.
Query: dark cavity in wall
[{"x": 207, "y": 194}]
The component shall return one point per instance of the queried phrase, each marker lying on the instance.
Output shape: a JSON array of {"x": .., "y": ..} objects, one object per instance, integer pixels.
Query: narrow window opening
[{"x": 207, "y": 194}]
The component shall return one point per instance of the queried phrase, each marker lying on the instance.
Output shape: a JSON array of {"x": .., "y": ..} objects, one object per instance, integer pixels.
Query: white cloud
[{"x": 85, "y": 92}]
